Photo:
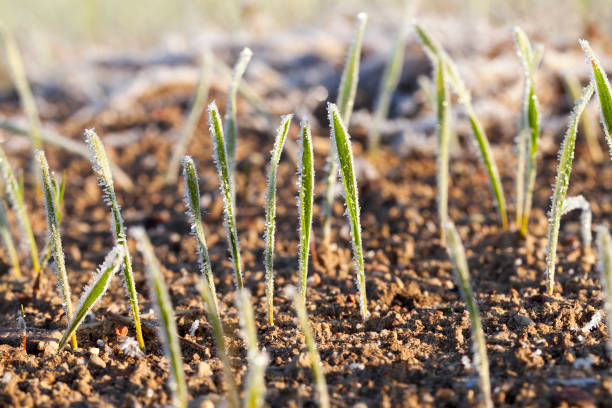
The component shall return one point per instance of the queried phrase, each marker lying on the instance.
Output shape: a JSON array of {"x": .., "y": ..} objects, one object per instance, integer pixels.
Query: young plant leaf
[
  {"x": 231, "y": 119},
  {"x": 435, "y": 52},
  {"x": 345, "y": 101},
  {"x": 227, "y": 188},
  {"x": 13, "y": 191},
  {"x": 101, "y": 166},
  {"x": 197, "y": 105},
  {"x": 7, "y": 240},
  {"x": 58, "y": 253},
  {"x": 456, "y": 253},
  {"x": 311, "y": 347},
  {"x": 305, "y": 202},
  {"x": 192, "y": 199},
  {"x": 341, "y": 140},
  {"x": 166, "y": 318},
  {"x": 94, "y": 291},
  {"x": 442, "y": 166},
  {"x": 270, "y": 222},
  {"x": 217, "y": 330},
  {"x": 586, "y": 216},
  {"x": 604, "y": 254},
  {"x": 566, "y": 157},
  {"x": 59, "y": 198}
]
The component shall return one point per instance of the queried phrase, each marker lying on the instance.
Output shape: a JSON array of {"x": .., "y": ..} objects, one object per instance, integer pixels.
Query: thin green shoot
[
  {"x": 311, "y": 347},
  {"x": 566, "y": 157},
  {"x": 586, "y": 216},
  {"x": 58, "y": 253},
  {"x": 270, "y": 222},
  {"x": 197, "y": 105},
  {"x": 305, "y": 203},
  {"x": 192, "y": 200},
  {"x": 14, "y": 192},
  {"x": 227, "y": 188},
  {"x": 604, "y": 254},
  {"x": 165, "y": 315},
  {"x": 434, "y": 51},
  {"x": 217, "y": 329},
  {"x": 443, "y": 106},
  {"x": 59, "y": 198},
  {"x": 345, "y": 101},
  {"x": 94, "y": 291},
  {"x": 456, "y": 253},
  {"x": 7, "y": 240},
  {"x": 342, "y": 140},
  {"x": 101, "y": 166}
]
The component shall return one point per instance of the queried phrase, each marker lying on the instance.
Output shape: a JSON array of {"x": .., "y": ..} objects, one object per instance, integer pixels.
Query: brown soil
[{"x": 412, "y": 350}]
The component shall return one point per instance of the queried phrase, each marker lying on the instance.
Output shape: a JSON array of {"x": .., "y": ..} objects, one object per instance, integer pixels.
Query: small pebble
[
  {"x": 96, "y": 361},
  {"x": 94, "y": 351}
]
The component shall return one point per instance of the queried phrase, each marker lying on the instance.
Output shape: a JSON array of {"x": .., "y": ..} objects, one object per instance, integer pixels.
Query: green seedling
[
  {"x": 345, "y": 101},
  {"x": 227, "y": 188},
  {"x": 390, "y": 80},
  {"x": 342, "y": 142},
  {"x": 166, "y": 318},
  {"x": 311, "y": 347},
  {"x": 443, "y": 105},
  {"x": 192, "y": 199},
  {"x": 231, "y": 119},
  {"x": 217, "y": 329},
  {"x": 94, "y": 291},
  {"x": 7, "y": 240},
  {"x": 258, "y": 360},
  {"x": 15, "y": 64},
  {"x": 435, "y": 52},
  {"x": 604, "y": 253},
  {"x": 49, "y": 192},
  {"x": 197, "y": 105},
  {"x": 270, "y": 222},
  {"x": 59, "y": 198},
  {"x": 566, "y": 157},
  {"x": 305, "y": 203},
  {"x": 456, "y": 253},
  {"x": 14, "y": 192},
  {"x": 529, "y": 133},
  {"x": 101, "y": 166},
  {"x": 586, "y": 216}
]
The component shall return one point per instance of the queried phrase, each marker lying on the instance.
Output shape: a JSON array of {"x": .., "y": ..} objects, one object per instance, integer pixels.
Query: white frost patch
[
  {"x": 130, "y": 347},
  {"x": 194, "y": 327}
]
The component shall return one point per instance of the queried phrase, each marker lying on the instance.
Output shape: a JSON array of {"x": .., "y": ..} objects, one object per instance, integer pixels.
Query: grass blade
[
  {"x": 604, "y": 253},
  {"x": 217, "y": 329},
  {"x": 341, "y": 140},
  {"x": 270, "y": 223},
  {"x": 566, "y": 157},
  {"x": 305, "y": 202},
  {"x": 462, "y": 274},
  {"x": 101, "y": 166},
  {"x": 311, "y": 346},
  {"x": 227, "y": 188},
  {"x": 192, "y": 199},
  {"x": 7, "y": 239},
  {"x": 391, "y": 78},
  {"x": 58, "y": 253},
  {"x": 165, "y": 316},
  {"x": 15, "y": 65},
  {"x": 199, "y": 101},
  {"x": 434, "y": 51},
  {"x": 15, "y": 196},
  {"x": 586, "y": 216},
  {"x": 59, "y": 198},
  {"x": 346, "y": 98},
  {"x": 442, "y": 159},
  {"x": 94, "y": 291},
  {"x": 231, "y": 119}
]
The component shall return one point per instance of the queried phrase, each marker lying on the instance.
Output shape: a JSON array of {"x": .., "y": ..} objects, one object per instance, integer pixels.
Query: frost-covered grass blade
[
  {"x": 586, "y": 216},
  {"x": 305, "y": 203},
  {"x": 604, "y": 255},
  {"x": 443, "y": 105},
  {"x": 311, "y": 347},
  {"x": 456, "y": 253},
  {"x": 192, "y": 199},
  {"x": 227, "y": 188},
  {"x": 59, "y": 198},
  {"x": 345, "y": 101},
  {"x": 270, "y": 222},
  {"x": 101, "y": 166},
  {"x": 341, "y": 140},
  {"x": 165, "y": 316},
  {"x": 49, "y": 192},
  {"x": 94, "y": 291},
  {"x": 7, "y": 240},
  {"x": 566, "y": 157},
  {"x": 435, "y": 52},
  {"x": 198, "y": 103},
  {"x": 14, "y": 192}
]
